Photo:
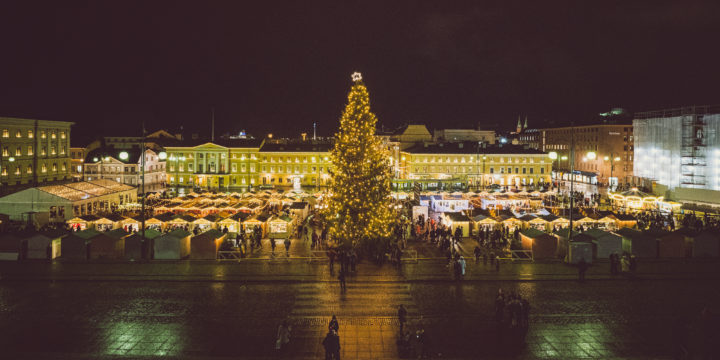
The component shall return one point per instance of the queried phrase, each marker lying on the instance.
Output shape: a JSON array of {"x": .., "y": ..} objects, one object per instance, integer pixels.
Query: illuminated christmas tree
[{"x": 359, "y": 207}]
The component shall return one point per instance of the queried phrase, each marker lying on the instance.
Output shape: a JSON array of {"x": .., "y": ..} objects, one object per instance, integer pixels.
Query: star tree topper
[{"x": 356, "y": 76}]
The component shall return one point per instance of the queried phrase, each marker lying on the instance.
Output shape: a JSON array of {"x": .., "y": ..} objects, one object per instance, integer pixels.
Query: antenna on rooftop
[{"x": 314, "y": 131}]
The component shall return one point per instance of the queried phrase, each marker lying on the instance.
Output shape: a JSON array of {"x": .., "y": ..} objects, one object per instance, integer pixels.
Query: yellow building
[
  {"x": 474, "y": 165},
  {"x": 295, "y": 164},
  {"x": 34, "y": 151},
  {"x": 224, "y": 165}
]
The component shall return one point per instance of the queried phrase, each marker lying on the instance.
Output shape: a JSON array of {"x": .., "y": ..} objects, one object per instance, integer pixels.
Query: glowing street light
[{"x": 553, "y": 155}]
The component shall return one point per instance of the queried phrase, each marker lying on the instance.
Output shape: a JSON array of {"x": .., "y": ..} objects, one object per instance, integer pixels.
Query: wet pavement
[{"x": 229, "y": 310}]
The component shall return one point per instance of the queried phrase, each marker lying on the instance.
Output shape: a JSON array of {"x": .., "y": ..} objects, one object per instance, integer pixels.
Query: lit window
[
  {"x": 64, "y": 167},
  {"x": 62, "y": 134},
  {"x": 29, "y": 169},
  {"x": 43, "y": 135},
  {"x": 53, "y": 135},
  {"x": 54, "y": 167},
  {"x": 6, "y": 134},
  {"x": 5, "y": 151},
  {"x": 18, "y": 134},
  {"x": 30, "y": 134},
  {"x": 18, "y": 151},
  {"x": 43, "y": 151},
  {"x": 62, "y": 150},
  {"x": 4, "y": 172},
  {"x": 30, "y": 150},
  {"x": 44, "y": 168},
  {"x": 17, "y": 170},
  {"x": 53, "y": 151}
]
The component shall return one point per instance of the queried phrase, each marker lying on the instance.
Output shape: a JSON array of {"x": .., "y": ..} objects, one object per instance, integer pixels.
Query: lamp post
[{"x": 612, "y": 158}]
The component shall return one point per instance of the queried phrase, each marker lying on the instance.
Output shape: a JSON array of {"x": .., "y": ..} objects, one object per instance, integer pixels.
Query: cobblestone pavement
[{"x": 206, "y": 319}]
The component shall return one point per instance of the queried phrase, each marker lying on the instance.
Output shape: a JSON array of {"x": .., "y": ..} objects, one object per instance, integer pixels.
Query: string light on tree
[{"x": 359, "y": 205}]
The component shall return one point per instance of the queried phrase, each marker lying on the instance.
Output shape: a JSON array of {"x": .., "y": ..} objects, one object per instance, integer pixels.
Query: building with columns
[{"x": 474, "y": 165}]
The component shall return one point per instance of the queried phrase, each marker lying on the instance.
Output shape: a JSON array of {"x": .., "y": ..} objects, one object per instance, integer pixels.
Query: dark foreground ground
[{"x": 232, "y": 310}]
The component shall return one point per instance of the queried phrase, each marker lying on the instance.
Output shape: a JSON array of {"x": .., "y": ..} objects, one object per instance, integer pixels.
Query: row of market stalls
[
  {"x": 117, "y": 244},
  {"x": 599, "y": 244},
  {"x": 473, "y": 221},
  {"x": 202, "y": 204},
  {"x": 275, "y": 226}
]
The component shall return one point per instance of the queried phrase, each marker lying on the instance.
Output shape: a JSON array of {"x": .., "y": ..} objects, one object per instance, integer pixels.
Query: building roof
[
  {"x": 470, "y": 147},
  {"x": 457, "y": 216},
  {"x": 296, "y": 147},
  {"x": 228, "y": 143},
  {"x": 85, "y": 189},
  {"x": 532, "y": 233}
]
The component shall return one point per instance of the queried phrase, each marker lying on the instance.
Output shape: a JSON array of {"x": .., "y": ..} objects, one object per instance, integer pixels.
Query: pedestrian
[
  {"x": 462, "y": 264},
  {"x": 334, "y": 325},
  {"x": 477, "y": 254},
  {"x": 272, "y": 246},
  {"x": 283, "y": 335},
  {"x": 402, "y": 317},
  {"x": 497, "y": 263},
  {"x": 582, "y": 267},
  {"x": 287, "y": 247},
  {"x": 331, "y": 256},
  {"x": 331, "y": 343},
  {"x": 633, "y": 264},
  {"x": 341, "y": 277}
]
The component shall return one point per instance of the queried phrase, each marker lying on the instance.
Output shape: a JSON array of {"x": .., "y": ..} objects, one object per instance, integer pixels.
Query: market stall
[
  {"x": 280, "y": 227},
  {"x": 706, "y": 244},
  {"x": 228, "y": 223},
  {"x": 174, "y": 245},
  {"x": 38, "y": 246},
  {"x": 206, "y": 245},
  {"x": 608, "y": 243},
  {"x": 538, "y": 223},
  {"x": 458, "y": 220},
  {"x": 102, "y": 246},
  {"x": 258, "y": 220},
  {"x": 73, "y": 247},
  {"x": 585, "y": 223},
  {"x": 625, "y": 221},
  {"x": 606, "y": 223},
  {"x": 137, "y": 247},
  {"x": 10, "y": 247},
  {"x": 672, "y": 245},
  {"x": 205, "y": 223},
  {"x": 580, "y": 247},
  {"x": 82, "y": 222},
  {"x": 484, "y": 223}
]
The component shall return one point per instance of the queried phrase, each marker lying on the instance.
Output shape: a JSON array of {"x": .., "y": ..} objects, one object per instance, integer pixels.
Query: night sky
[{"x": 271, "y": 66}]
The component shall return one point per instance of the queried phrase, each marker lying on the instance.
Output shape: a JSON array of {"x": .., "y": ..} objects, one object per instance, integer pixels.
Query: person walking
[
  {"x": 283, "y": 335},
  {"x": 287, "y": 247},
  {"x": 334, "y": 325},
  {"x": 497, "y": 263},
  {"x": 272, "y": 246},
  {"x": 402, "y": 317},
  {"x": 582, "y": 268},
  {"x": 331, "y": 343},
  {"x": 477, "y": 252},
  {"x": 462, "y": 264},
  {"x": 341, "y": 277}
]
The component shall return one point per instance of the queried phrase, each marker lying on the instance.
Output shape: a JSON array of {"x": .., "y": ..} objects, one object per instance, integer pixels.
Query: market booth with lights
[
  {"x": 206, "y": 245},
  {"x": 280, "y": 227},
  {"x": 636, "y": 200}
]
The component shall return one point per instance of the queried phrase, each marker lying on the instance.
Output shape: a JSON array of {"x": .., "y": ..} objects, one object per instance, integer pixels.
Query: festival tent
[
  {"x": 73, "y": 247},
  {"x": 607, "y": 223},
  {"x": 109, "y": 222},
  {"x": 527, "y": 236},
  {"x": 706, "y": 244},
  {"x": 458, "y": 219},
  {"x": 38, "y": 246},
  {"x": 10, "y": 247},
  {"x": 280, "y": 227},
  {"x": 256, "y": 220},
  {"x": 172, "y": 246},
  {"x": 299, "y": 209},
  {"x": 586, "y": 222},
  {"x": 206, "y": 245},
  {"x": 608, "y": 243},
  {"x": 106, "y": 247},
  {"x": 672, "y": 245},
  {"x": 526, "y": 220},
  {"x": 205, "y": 223},
  {"x": 82, "y": 222},
  {"x": 157, "y": 222}
]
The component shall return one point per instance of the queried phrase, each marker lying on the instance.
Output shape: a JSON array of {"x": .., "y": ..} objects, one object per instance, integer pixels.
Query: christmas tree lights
[{"x": 359, "y": 207}]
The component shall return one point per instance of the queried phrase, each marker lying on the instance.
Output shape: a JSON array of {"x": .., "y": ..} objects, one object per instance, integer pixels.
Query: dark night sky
[{"x": 279, "y": 66}]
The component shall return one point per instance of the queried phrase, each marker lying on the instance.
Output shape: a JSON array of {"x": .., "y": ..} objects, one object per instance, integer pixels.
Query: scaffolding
[{"x": 679, "y": 147}]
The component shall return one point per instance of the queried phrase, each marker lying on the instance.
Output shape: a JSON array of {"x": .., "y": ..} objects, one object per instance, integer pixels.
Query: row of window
[
  {"x": 440, "y": 159},
  {"x": 30, "y": 151},
  {"x": 29, "y": 169},
  {"x": 30, "y": 134},
  {"x": 469, "y": 170}
]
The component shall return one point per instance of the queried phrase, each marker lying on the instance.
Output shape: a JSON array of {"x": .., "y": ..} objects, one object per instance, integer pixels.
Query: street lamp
[{"x": 612, "y": 167}]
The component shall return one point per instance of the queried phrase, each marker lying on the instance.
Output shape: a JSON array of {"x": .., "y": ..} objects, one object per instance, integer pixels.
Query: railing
[
  {"x": 318, "y": 256},
  {"x": 409, "y": 256},
  {"x": 521, "y": 255},
  {"x": 229, "y": 255}
]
